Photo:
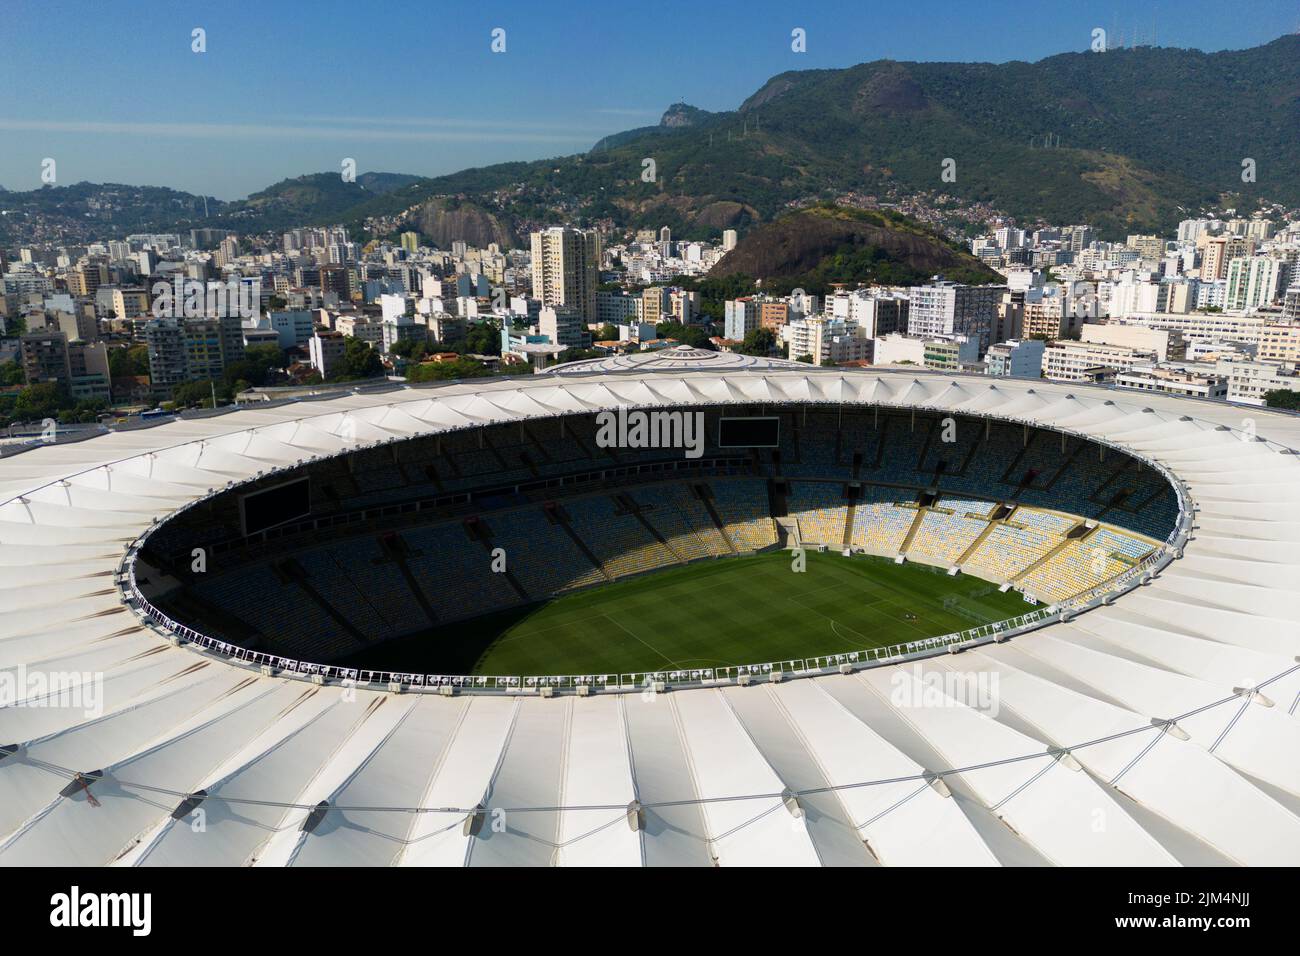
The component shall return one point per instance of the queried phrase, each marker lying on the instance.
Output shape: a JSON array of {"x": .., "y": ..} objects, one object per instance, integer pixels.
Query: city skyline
[{"x": 434, "y": 98}]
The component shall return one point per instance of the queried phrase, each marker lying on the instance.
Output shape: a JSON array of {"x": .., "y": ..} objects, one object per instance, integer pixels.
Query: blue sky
[{"x": 114, "y": 93}]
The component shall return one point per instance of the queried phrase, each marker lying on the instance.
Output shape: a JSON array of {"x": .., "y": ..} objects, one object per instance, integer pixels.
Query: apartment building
[
  {"x": 1168, "y": 344},
  {"x": 326, "y": 350},
  {"x": 1204, "y": 326},
  {"x": 130, "y": 303},
  {"x": 1250, "y": 382},
  {"x": 1015, "y": 358},
  {"x": 565, "y": 264},
  {"x": 1067, "y": 361},
  {"x": 875, "y": 312},
  {"x": 1255, "y": 282},
  {"x": 1279, "y": 342},
  {"x": 946, "y": 354},
  {"x": 740, "y": 316},
  {"x": 44, "y": 357},
  {"x": 562, "y": 325},
  {"x": 945, "y": 308},
  {"x": 1176, "y": 380},
  {"x": 827, "y": 340}
]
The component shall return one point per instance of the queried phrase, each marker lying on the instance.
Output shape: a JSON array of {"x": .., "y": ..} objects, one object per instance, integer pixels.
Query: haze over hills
[
  {"x": 317, "y": 197},
  {"x": 1129, "y": 150},
  {"x": 89, "y": 210}
]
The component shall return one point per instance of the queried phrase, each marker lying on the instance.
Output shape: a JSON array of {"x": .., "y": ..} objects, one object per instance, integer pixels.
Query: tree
[
  {"x": 691, "y": 335},
  {"x": 438, "y": 371},
  {"x": 483, "y": 338},
  {"x": 271, "y": 355},
  {"x": 256, "y": 367},
  {"x": 129, "y": 361},
  {"x": 199, "y": 394},
  {"x": 40, "y": 401},
  {"x": 1282, "y": 398},
  {"x": 11, "y": 373},
  {"x": 411, "y": 349},
  {"x": 758, "y": 342},
  {"x": 715, "y": 291},
  {"x": 607, "y": 333},
  {"x": 806, "y": 358},
  {"x": 85, "y": 411},
  {"x": 359, "y": 361}
]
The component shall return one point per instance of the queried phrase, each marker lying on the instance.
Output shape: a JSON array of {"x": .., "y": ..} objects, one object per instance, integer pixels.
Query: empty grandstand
[{"x": 405, "y": 538}]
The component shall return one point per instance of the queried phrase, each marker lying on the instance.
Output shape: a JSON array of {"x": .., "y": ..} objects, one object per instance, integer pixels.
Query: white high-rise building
[
  {"x": 563, "y": 325},
  {"x": 1008, "y": 237},
  {"x": 826, "y": 340},
  {"x": 945, "y": 308},
  {"x": 1131, "y": 294},
  {"x": 1190, "y": 229},
  {"x": 876, "y": 312},
  {"x": 1210, "y": 295},
  {"x": 565, "y": 268},
  {"x": 1015, "y": 358},
  {"x": 1254, "y": 282}
]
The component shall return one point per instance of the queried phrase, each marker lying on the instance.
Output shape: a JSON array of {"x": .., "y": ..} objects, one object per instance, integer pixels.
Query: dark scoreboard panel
[
  {"x": 754, "y": 432},
  {"x": 264, "y": 509}
]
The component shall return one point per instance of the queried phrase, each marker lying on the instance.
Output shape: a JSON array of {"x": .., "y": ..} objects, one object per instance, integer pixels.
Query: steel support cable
[{"x": 696, "y": 801}]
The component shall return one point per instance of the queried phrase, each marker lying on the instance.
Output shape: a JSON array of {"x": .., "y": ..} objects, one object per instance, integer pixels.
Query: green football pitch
[{"x": 709, "y": 614}]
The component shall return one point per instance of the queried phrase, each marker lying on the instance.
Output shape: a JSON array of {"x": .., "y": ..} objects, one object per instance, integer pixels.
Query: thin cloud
[
  {"x": 259, "y": 131},
  {"x": 442, "y": 122}
]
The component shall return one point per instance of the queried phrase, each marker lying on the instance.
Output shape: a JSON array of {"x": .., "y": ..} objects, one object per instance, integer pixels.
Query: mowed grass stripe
[{"x": 708, "y": 614}]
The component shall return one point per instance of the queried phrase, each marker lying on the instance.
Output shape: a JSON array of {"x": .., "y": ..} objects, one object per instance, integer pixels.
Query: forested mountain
[{"x": 1129, "y": 139}]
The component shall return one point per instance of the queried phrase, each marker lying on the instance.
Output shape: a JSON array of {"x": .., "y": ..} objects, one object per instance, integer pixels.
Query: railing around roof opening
[
  {"x": 643, "y": 680},
  {"x": 1125, "y": 581}
]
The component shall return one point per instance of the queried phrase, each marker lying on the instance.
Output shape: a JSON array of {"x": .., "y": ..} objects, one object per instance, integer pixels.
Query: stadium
[{"x": 871, "y": 617}]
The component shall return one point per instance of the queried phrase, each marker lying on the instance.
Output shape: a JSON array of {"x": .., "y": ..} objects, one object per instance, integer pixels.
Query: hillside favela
[{"x": 876, "y": 446}]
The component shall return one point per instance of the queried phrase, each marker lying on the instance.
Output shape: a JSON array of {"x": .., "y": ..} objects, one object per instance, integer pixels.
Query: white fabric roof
[
  {"x": 843, "y": 769},
  {"x": 677, "y": 358}
]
